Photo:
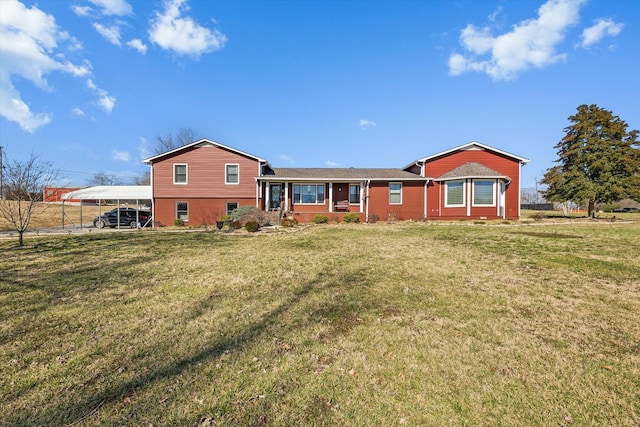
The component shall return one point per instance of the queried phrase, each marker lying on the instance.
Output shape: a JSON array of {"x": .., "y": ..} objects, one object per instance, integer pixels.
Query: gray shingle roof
[
  {"x": 343, "y": 174},
  {"x": 471, "y": 170}
]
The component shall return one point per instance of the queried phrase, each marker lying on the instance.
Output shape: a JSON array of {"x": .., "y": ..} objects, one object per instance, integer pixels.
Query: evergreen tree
[{"x": 598, "y": 161}]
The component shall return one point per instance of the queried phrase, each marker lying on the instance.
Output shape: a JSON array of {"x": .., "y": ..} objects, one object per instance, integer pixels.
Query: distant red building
[{"x": 54, "y": 194}]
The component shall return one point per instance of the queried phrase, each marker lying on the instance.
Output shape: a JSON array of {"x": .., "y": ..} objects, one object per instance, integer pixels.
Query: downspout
[
  {"x": 366, "y": 201},
  {"x": 440, "y": 199},
  {"x": 425, "y": 199},
  {"x": 518, "y": 189}
]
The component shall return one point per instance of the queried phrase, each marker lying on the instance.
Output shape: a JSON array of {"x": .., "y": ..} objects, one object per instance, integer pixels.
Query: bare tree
[
  {"x": 142, "y": 179},
  {"x": 102, "y": 178},
  {"x": 24, "y": 184},
  {"x": 170, "y": 142}
]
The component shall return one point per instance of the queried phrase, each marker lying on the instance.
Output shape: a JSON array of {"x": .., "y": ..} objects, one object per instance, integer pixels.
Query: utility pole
[{"x": 1, "y": 174}]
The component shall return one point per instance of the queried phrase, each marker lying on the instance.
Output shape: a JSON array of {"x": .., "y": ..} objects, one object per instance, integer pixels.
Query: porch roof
[
  {"x": 472, "y": 170},
  {"x": 341, "y": 174}
]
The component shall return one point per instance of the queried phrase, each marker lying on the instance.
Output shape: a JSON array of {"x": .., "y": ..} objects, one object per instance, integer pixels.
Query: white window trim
[
  {"x": 395, "y": 203},
  {"x": 446, "y": 195},
  {"x": 176, "y": 212},
  {"x": 324, "y": 201},
  {"x": 226, "y": 173},
  {"x": 226, "y": 207},
  {"x": 493, "y": 193},
  {"x": 186, "y": 166}
]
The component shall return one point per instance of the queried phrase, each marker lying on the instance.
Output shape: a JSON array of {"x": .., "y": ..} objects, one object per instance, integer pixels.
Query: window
[
  {"x": 179, "y": 174},
  {"x": 483, "y": 193},
  {"x": 182, "y": 211},
  {"x": 354, "y": 193},
  {"x": 395, "y": 193},
  {"x": 308, "y": 193},
  {"x": 232, "y": 174},
  {"x": 231, "y": 206},
  {"x": 454, "y": 194}
]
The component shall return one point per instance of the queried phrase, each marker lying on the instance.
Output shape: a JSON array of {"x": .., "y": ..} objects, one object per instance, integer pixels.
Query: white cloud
[
  {"x": 121, "y": 156},
  {"x": 112, "y": 34},
  {"x": 183, "y": 35},
  {"x": 138, "y": 45},
  {"x": 105, "y": 101},
  {"x": 332, "y": 164},
  {"x": 76, "y": 112},
  {"x": 287, "y": 159},
  {"x": 366, "y": 124},
  {"x": 113, "y": 7},
  {"x": 81, "y": 10},
  {"x": 531, "y": 43},
  {"x": 29, "y": 47},
  {"x": 602, "y": 28}
]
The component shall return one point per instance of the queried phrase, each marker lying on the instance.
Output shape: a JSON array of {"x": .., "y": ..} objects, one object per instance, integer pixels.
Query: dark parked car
[
  {"x": 632, "y": 209},
  {"x": 128, "y": 218}
]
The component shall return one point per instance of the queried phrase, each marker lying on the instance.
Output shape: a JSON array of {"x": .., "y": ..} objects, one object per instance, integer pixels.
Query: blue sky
[{"x": 89, "y": 84}]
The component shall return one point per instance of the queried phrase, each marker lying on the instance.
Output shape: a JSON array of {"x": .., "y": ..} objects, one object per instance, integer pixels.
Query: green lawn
[{"x": 382, "y": 324}]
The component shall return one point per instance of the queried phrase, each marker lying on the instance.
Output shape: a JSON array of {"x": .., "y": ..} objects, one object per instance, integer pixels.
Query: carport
[{"x": 120, "y": 193}]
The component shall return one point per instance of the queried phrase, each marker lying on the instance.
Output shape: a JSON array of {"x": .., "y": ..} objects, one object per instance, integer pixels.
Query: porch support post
[
  {"x": 267, "y": 197},
  {"x": 425, "y": 199},
  {"x": 330, "y": 197},
  {"x": 362, "y": 190},
  {"x": 468, "y": 190},
  {"x": 286, "y": 197}
]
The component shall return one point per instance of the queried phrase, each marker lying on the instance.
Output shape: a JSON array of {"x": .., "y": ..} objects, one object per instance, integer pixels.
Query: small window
[
  {"x": 232, "y": 174},
  {"x": 483, "y": 193},
  {"x": 231, "y": 206},
  {"x": 354, "y": 193},
  {"x": 454, "y": 194},
  {"x": 182, "y": 211},
  {"x": 179, "y": 174},
  {"x": 309, "y": 194},
  {"x": 395, "y": 193}
]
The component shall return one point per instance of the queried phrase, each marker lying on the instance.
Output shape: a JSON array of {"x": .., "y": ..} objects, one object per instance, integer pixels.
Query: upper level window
[
  {"x": 454, "y": 194},
  {"x": 395, "y": 193},
  {"x": 232, "y": 174},
  {"x": 354, "y": 193},
  {"x": 308, "y": 193},
  {"x": 179, "y": 173},
  {"x": 483, "y": 193}
]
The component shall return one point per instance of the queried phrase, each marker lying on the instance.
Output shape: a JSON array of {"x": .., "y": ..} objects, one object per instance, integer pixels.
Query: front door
[{"x": 275, "y": 196}]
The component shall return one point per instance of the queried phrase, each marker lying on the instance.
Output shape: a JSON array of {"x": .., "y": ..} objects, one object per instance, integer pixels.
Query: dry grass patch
[{"x": 404, "y": 324}]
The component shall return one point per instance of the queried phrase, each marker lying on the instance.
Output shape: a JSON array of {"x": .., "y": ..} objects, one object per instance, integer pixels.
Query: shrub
[
  {"x": 320, "y": 219},
  {"x": 247, "y": 213},
  {"x": 288, "y": 222},
  {"x": 226, "y": 218},
  {"x": 251, "y": 226},
  {"x": 351, "y": 217},
  {"x": 179, "y": 222},
  {"x": 374, "y": 218},
  {"x": 235, "y": 225}
]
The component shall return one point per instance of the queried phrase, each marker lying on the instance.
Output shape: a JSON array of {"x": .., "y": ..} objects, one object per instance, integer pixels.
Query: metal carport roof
[
  {"x": 108, "y": 192},
  {"x": 111, "y": 192}
]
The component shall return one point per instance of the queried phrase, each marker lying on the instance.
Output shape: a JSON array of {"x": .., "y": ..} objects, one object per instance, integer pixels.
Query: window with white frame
[
  {"x": 230, "y": 207},
  {"x": 232, "y": 174},
  {"x": 354, "y": 193},
  {"x": 180, "y": 173},
  {"x": 308, "y": 193},
  {"x": 484, "y": 193},
  {"x": 395, "y": 193},
  {"x": 182, "y": 211},
  {"x": 454, "y": 194}
]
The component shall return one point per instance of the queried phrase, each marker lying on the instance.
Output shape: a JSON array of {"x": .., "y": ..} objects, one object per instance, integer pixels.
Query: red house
[{"x": 202, "y": 181}]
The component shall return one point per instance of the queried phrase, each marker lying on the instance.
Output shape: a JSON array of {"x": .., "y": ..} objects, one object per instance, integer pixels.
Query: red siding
[
  {"x": 412, "y": 206},
  {"x": 205, "y": 174},
  {"x": 502, "y": 164},
  {"x": 201, "y": 211}
]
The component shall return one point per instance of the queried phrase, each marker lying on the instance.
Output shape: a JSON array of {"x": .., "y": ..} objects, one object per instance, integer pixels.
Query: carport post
[{"x": 63, "y": 214}]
